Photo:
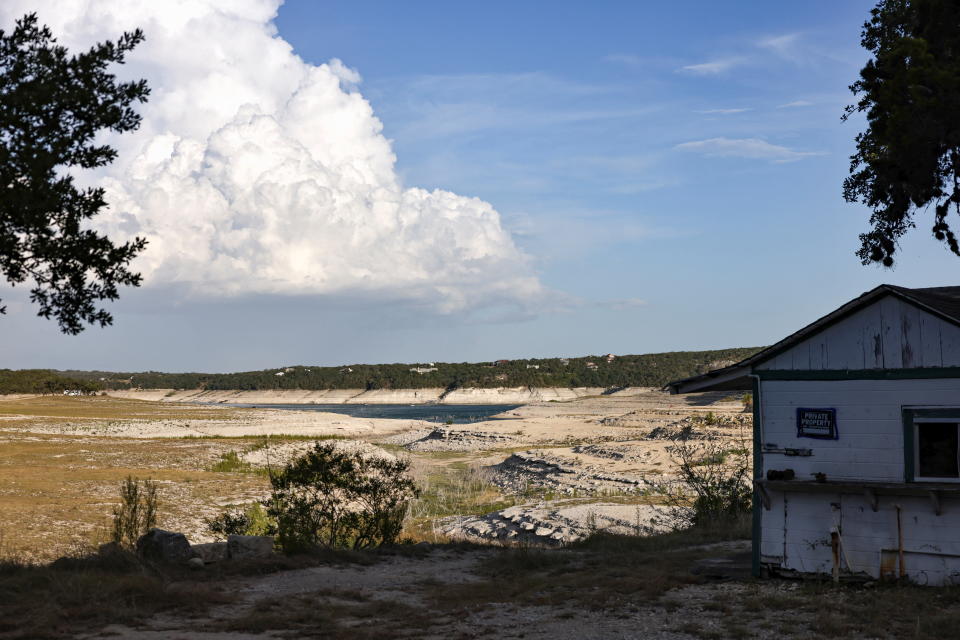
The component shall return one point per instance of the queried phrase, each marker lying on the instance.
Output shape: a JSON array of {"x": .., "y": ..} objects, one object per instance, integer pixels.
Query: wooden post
[{"x": 901, "y": 570}]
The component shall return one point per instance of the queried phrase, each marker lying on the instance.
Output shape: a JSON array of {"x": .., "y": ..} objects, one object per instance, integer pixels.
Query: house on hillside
[
  {"x": 423, "y": 370},
  {"x": 857, "y": 439}
]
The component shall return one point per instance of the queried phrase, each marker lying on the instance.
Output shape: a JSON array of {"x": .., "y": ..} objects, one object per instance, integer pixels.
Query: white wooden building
[{"x": 863, "y": 407}]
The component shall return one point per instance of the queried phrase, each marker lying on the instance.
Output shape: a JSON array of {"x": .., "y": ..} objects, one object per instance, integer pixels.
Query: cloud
[
  {"x": 257, "y": 173},
  {"x": 623, "y": 304},
  {"x": 752, "y": 148},
  {"x": 713, "y": 67},
  {"x": 795, "y": 104},
  {"x": 723, "y": 112},
  {"x": 435, "y": 106},
  {"x": 786, "y": 45}
]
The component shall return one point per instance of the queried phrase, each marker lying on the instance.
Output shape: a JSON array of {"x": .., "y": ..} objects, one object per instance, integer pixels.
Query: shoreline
[{"x": 436, "y": 396}]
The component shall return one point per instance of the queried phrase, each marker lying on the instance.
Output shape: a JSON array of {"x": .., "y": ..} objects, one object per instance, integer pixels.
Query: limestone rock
[
  {"x": 211, "y": 552},
  {"x": 158, "y": 545},
  {"x": 249, "y": 546}
]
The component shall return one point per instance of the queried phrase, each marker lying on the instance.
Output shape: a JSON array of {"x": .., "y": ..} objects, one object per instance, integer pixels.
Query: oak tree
[
  {"x": 908, "y": 159},
  {"x": 53, "y": 105}
]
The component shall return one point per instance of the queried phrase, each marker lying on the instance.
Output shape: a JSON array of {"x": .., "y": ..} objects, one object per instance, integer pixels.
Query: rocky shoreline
[{"x": 498, "y": 395}]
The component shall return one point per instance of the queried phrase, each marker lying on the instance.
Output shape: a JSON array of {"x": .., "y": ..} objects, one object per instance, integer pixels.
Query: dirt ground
[
  {"x": 572, "y": 473},
  {"x": 63, "y": 459}
]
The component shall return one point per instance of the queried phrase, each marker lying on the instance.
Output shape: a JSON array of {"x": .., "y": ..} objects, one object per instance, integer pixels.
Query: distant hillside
[
  {"x": 42, "y": 381},
  {"x": 648, "y": 370}
]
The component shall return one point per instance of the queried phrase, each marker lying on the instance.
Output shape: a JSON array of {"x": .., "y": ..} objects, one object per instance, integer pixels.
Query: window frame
[{"x": 912, "y": 417}]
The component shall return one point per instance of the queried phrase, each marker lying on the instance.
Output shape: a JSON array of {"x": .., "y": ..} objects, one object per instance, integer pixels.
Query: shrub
[
  {"x": 336, "y": 498},
  {"x": 714, "y": 487},
  {"x": 252, "y": 521},
  {"x": 137, "y": 512},
  {"x": 231, "y": 462}
]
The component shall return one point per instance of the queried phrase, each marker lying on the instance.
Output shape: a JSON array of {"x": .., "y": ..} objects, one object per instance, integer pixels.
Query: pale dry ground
[
  {"x": 63, "y": 458},
  {"x": 447, "y": 594}
]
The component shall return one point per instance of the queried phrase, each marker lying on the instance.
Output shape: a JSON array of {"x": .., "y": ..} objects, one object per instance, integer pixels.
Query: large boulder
[
  {"x": 167, "y": 547},
  {"x": 249, "y": 546},
  {"x": 211, "y": 552}
]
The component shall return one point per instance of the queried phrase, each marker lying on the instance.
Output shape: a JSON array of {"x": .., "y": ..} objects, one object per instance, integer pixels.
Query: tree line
[{"x": 647, "y": 370}]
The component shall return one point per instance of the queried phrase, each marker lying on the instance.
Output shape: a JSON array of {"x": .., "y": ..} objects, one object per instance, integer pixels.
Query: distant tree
[
  {"x": 909, "y": 156},
  {"x": 52, "y": 107}
]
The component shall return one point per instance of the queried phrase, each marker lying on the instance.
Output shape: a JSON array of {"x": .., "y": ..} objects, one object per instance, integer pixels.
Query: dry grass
[
  {"x": 62, "y": 489},
  {"x": 81, "y": 594},
  {"x": 825, "y": 610},
  {"x": 57, "y": 491},
  {"x": 603, "y": 572},
  {"x": 334, "y": 614},
  {"x": 21, "y": 412}
]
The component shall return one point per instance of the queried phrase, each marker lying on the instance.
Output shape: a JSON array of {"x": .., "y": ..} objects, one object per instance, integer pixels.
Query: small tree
[
  {"x": 336, "y": 498},
  {"x": 137, "y": 512},
  {"x": 250, "y": 521},
  {"x": 714, "y": 485}
]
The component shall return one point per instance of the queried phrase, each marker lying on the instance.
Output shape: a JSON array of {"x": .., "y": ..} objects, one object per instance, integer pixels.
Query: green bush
[
  {"x": 137, "y": 512},
  {"x": 252, "y": 521},
  {"x": 336, "y": 498},
  {"x": 714, "y": 486}
]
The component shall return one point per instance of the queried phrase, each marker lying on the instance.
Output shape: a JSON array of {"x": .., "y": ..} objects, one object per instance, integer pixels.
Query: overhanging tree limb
[
  {"x": 52, "y": 106},
  {"x": 908, "y": 159}
]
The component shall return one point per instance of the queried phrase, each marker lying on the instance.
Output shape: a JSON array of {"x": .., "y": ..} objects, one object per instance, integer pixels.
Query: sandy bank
[{"x": 501, "y": 395}]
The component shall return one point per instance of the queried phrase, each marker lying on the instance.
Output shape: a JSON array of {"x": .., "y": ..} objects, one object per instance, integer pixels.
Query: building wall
[
  {"x": 795, "y": 532},
  {"x": 869, "y": 423},
  {"x": 796, "y": 535},
  {"x": 889, "y": 334}
]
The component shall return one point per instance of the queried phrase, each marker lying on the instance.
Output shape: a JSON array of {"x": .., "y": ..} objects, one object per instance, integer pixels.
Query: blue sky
[{"x": 672, "y": 171}]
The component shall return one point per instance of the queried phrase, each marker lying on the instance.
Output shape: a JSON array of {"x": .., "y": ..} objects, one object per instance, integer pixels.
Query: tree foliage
[
  {"x": 337, "y": 498},
  {"x": 646, "y": 370},
  {"x": 53, "y": 107},
  {"x": 42, "y": 381},
  {"x": 909, "y": 157}
]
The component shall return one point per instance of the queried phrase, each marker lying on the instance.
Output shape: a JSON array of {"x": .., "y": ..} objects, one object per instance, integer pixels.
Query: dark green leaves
[
  {"x": 334, "y": 497},
  {"x": 52, "y": 105},
  {"x": 908, "y": 159}
]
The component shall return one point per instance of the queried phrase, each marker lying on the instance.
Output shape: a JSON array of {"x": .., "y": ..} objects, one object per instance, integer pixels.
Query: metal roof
[{"x": 943, "y": 302}]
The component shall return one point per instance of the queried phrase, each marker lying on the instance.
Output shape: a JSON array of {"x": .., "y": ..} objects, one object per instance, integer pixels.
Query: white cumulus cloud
[{"x": 255, "y": 172}]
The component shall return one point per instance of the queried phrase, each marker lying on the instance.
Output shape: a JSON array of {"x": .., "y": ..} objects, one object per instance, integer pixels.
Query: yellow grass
[{"x": 57, "y": 491}]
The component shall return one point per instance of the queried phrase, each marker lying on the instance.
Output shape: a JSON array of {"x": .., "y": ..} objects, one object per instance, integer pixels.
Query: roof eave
[{"x": 735, "y": 378}]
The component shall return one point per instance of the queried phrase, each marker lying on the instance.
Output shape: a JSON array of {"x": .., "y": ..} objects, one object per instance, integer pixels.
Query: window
[
  {"x": 932, "y": 445},
  {"x": 937, "y": 450}
]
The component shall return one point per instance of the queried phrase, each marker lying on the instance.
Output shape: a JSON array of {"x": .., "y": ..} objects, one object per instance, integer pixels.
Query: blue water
[{"x": 455, "y": 413}]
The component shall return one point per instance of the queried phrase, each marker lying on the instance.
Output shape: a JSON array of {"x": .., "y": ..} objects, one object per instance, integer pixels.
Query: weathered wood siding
[
  {"x": 795, "y": 532},
  {"x": 796, "y": 535},
  {"x": 869, "y": 422},
  {"x": 889, "y": 334}
]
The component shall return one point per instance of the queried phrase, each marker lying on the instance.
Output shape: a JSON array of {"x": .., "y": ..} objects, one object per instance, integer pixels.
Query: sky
[{"x": 340, "y": 182}]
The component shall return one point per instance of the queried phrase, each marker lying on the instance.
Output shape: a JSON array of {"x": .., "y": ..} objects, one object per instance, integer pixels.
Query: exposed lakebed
[{"x": 440, "y": 413}]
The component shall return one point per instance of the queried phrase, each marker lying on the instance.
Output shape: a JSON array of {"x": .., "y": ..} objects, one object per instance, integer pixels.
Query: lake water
[{"x": 457, "y": 413}]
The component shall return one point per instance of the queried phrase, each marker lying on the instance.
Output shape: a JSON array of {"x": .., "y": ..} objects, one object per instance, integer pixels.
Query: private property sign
[{"x": 817, "y": 423}]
